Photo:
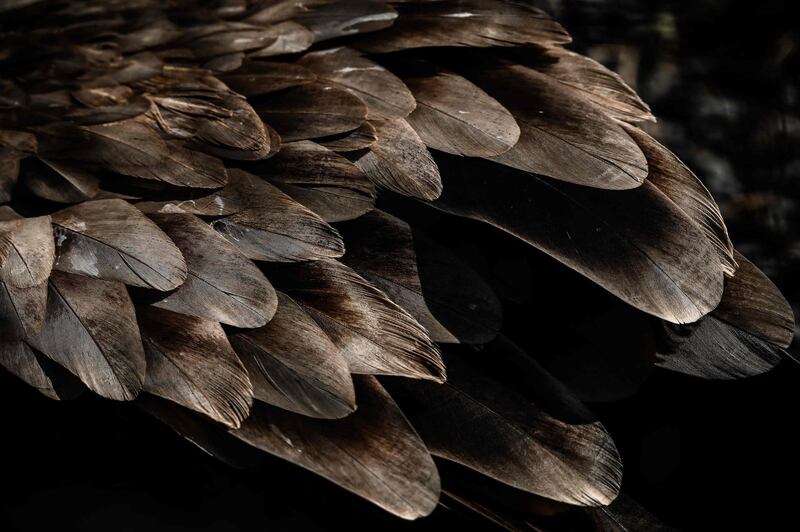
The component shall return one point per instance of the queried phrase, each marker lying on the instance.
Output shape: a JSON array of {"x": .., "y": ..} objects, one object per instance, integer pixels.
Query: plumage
[
  {"x": 466, "y": 23},
  {"x": 443, "y": 293},
  {"x": 60, "y": 181},
  {"x": 288, "y": 37},
  {"x": 250, "y": 216},
  {"x": 681, "y": 186},
  {"x": 212, "y": 438},
  {"x": 455, "y": 116},
  {"x": 134, "y": 148},
  {"x": 26, "y": 251},
  {"x": 627, "y": 242},
  {"x": 328, "y": 20},
  {"x": 562, "y": 135},
  {"x": 548, "y": 447},
  {"x": 360, "y": 138},
  {"x": 221, "y": 202},
  {"x": 38, "y": 371},
  {"x": 599, "y": 84},
  {"x": 220, "y": 38},
  {"x": 312, "y": 111},
  {"x": 625, "y": 515},
  {"x": 22, "y": 310},
  {"x": 191, "y": 105},
  {"x": 743, "y": 336},
  {"x": 255, "y": 78},
  {"x": 753, "y": 303}
]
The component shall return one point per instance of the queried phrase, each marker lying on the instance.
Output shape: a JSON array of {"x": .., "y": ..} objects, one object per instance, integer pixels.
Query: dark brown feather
[
  {"x": 222, "y": 284},
  {"x": 599, "y": 84},
  {"x": 681, "y": 186},
  {"x": 222, "y": 202},
  {"x": 312, "y": 111},
  {"x": 563, "y": 135},
  {"x": 482, "y": 23},
  {"x": 289, "y": 37},
  {"x": 637, "y": 244},
  {"x": 295, "y": 366},
  {"x": 60, "y": 181},
  {"x": 374, "y": 334},
  {"x": 27, "y": 251},
  {"x": 531, "y": 435},
  {"x": 90, "y": 329},
  {"x": 374, "y": 452},
  {"x": 329, "y": 20},
  {"x": 384, "y": 93},
  {"x": 134, "y": 148},
  {"x": 327, "y": 183},
  {"x": 443, "y": 293},
  {"x": 255, "y": 78},
  {"x": 274, "y": 227},
  {"x": 359, "y": 139},
  {"x": 190, "y": 362},
  {"x": 400, "y": 162},
  {"x": 754, "y": 304},
  {"x": 112, "y": 240},
  {"x": 742, "y": 337},
  {"x": 455, "y": 116},
  {"x": 38, "y": 371}
]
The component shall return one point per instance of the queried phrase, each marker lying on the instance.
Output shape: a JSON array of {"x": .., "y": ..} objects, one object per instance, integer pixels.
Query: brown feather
[
  {"x": 112, "y": 240},
  {"x": 222, "y": 284},
  {"x": 190, "y": 362},
  {"x": 374, "y": 452},
  {"x": 295, "y": 366},
  {"x": 374, "y": 334},
  {"x": 274, "y": 227}
]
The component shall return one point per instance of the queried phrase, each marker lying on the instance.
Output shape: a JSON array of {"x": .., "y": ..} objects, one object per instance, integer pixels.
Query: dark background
[{"x": 722, "y": 78}]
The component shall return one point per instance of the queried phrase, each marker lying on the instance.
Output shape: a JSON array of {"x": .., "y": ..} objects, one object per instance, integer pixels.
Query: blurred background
[{"x": 722, "y": 78}]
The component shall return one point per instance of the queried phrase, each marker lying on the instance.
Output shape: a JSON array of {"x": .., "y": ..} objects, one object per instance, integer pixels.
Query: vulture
[{"x": 381, "y": 240}]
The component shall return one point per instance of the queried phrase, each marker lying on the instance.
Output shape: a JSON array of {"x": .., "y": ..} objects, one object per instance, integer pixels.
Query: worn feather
[
  {"x": 455, "y": 116},
  {"x": 325, "y": 182},
  {"x": 222, "y": 284},
  {"x": 400, "y": 162},
  {"x": 295, "y": 366},
  {"x": 375, "y": 335},
  {"x": 385, "y": 95},
  {"x": 112, "y": 240},
  {"x": 90, "y": 328},
  {"x": 311, "y": 111},
  {"x": 274, "y": 227},
  {"x": 373, "y": 453},
  {"x": 681, "y": 186},
  {"x": 480, "y": 23},
  {"x": 191, "y": 362}
]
